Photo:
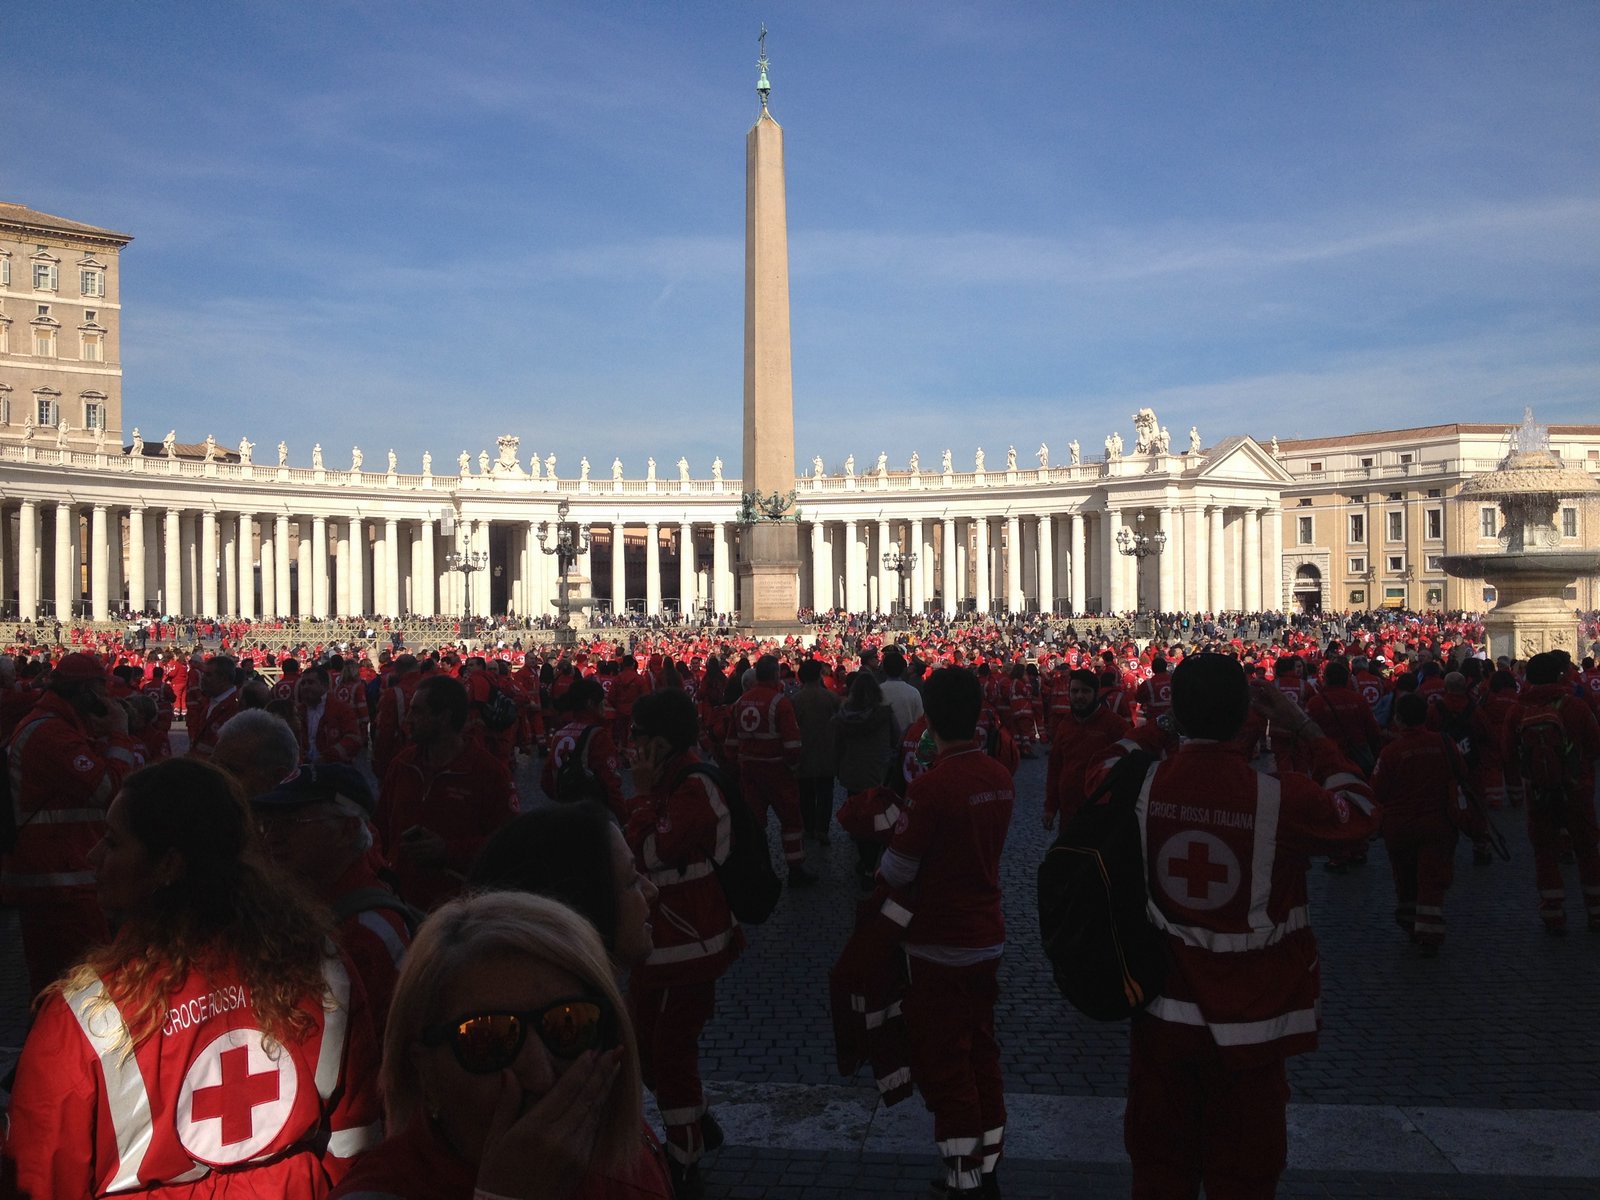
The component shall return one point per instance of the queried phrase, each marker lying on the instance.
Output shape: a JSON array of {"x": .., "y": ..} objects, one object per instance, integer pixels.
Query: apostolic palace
[{"x": 100, "y": 514}]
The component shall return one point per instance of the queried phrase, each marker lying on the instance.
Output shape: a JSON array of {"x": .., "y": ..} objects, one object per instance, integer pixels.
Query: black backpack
[
  {"x": 10, "y": 827},
  {"x": 575, "y": 783},
  {"x": 499, "y": 711},
  {"x": 1109, "y": 961},
  {"x": 747, "y": 878}
]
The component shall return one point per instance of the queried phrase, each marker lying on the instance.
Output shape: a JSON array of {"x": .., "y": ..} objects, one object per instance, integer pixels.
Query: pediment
[{"x": 1243, "y": 459}]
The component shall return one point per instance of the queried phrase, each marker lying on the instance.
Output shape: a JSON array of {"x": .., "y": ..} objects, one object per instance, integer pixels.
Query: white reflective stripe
[
  {"x": 682, "y": 1116},
  {"x": 49, "y": 879},
  {"x": 993, "y": 1137},
  {"x": 123, "y": 754},
  {"x": 858, "y": 1003},
  {"x": 330, "y": 1059},
  {"x": 347, "y": 1143},
  {"x": 990, "y": 1162},
  {"x": 386, "y": 933},
  {"x": 878, "y": 1016},
  {"x": 1235, "y": 1033},
  {"x": 724, "y": 821},
  {"x": 1432, "y": 910},
  {"x": 199, "y": 1171},
  {"x": 690, "y": 950},
  {"x": 68, "y": 816},
  {"x": 887, "y": 819},
  {"x": 894, "y": 1079},
  {"x": 697, "y": 870},
  {"x": 899, "y": 914},
  {"x": 1341, "y": 779},
  {"x": 894, "y": 1009},
  {"x": 1234, "y": 943},
  {"x": 1269, "y": 800},
  {"x": 964, "y": 1181},
  {"x": 126, "y": 1098},
  {"x": 957, "y": 1147}
]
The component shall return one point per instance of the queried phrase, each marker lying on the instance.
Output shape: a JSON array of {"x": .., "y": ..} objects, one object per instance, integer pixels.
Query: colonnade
[{"x": 67, "y": 557}]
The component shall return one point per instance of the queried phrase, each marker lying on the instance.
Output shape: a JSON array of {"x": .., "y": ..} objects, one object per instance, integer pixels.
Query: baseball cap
[{"x": 319, "y": 783}]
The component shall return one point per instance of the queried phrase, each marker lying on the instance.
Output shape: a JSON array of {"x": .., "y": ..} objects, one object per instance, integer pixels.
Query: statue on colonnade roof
[
  {"x": 283, "y": 454},
  {"x": 1194, "y": 439},
  {"x": 247, "y": 450},
  {"x": 1146, "y": 430},
  {"x": 509, "y": 445},
  {"x": 1044, "y": 457}
]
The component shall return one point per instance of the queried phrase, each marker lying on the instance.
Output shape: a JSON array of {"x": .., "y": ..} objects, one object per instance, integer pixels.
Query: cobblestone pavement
[{"x": 1501, "y": 1027}]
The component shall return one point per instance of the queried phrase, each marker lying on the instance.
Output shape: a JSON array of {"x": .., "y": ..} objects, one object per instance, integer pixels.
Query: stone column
[
  {"x": 686, "y": 574},
  {"x": 1196, "y": 593},
  {"x": 1116, "y": 597},
  {"x": 947, "y": 556},
  {"x": 1014, "y": 598},
  {"x": 99, "y": 565},
  {"x": 1047, "y": 563},
  {"x": 319, "y": 567},
  {"x": 821, "y": 568},
  {"x": 963, "y": 557},
  {"x": 855, "y": 587},
  {"x": 136, "y": 575},
  {"x": 280, "y": 558},
  {"x": 114, "y": 571},
  {"x": 652, "y": 569},
  {"x": 207, "y": 599},
  {"x": 356, "y": 533},
  {"x": 426, "y": 572},
  {"x": 917, "y": 541},
  {"x": 247, "y": 566},
  {"x": 1077, "y": 578},
  {"x": 482, "y": 579},
  {"x": 1252, "y": 560},
  {"x": 1215, "y": 549},
  {"x": 619, "y": 568},
  {"x": 721, "y": 576},
  {"x": 172, "y": 563},
  {"x": 228, "y": 592},
  {"x": 63, "y": 561},
  {"x": 306, "y": 570},
  {"x": 391, "y": 568},
  {"x": 28, "y": 561},
  {"x": 1272, "y": 559},
  {"x": 983, "y": 569},
  {"x": 1166, "y": 598},
  {"x": 269, "y": 573},
  {"x": 341, "y": 571}
]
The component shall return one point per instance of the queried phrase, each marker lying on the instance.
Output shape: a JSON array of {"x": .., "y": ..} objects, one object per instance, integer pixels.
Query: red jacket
[
  {"x": 600, "y": 757},
  {"x": 1075, "y": 747},
  {"x": 463, "y": 802},
  {"x": 206, "y": 1091},
  {"x": 677, "y": 832},
  {"x": 763, "y": 730},
  {"x": 1227, "y": 850},
  {"x": 218, "y": 711},
  {"x": 1415, "y": 781},
  {"x": 338, "y": 732},
  {"x": 374, "y": 936},
  {"x": 1342, "y": 714},
  {"x": 59, "y": 772},
  {"x": 953, "y": 826}
]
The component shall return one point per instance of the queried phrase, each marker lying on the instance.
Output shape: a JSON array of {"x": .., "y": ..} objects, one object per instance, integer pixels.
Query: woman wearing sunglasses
[
  {"x": 509, "y": 1067},
  {"x": 214, "y": 1045}
]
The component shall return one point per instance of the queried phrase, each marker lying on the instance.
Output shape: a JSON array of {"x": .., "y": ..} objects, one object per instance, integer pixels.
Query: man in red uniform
[
  {"x": 1077, "y": 743},
  {"x": 325, "y": 726},
  {"x": 1558, "y": 782},
  {"x": 1415, "y": 782},
  {"x": 944, "y": 861},
  {"x": 315, "y": 823},
  {"x": 219, "y": 688},
  {"x": 1342, "y": 711},
  {"x": 584, "y": 729},
  {"x": 764, "y": 737},
  {"x": 630, "y": 684},
  {"x": 679, "y": 830},
  {"x": 393, "y": 700},
  {"x": 67, "y": 758},
  {"x": 1226, "y": 855},
  {"x": 441, "y": 798}
]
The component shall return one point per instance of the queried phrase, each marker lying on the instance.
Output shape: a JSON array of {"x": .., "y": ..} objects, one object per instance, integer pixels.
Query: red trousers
[
  {"x": 955, "y": 1063},
  {"x": 1424, "y": 866},
  {"x": 667, "y": 1021},
  {"x": 1574, "y": 812},
  {"x": 1192, "y": 1119},
  {"x": 773, "y": 785}
]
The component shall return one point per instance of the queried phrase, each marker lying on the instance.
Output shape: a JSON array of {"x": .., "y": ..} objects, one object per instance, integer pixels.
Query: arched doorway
[{"x": 1308, "y": 588}]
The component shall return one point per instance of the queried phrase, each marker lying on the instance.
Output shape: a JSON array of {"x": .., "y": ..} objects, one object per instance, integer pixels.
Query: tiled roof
[
  {"x": 1421, "y": 433},
  {"x": 17, "y": 214}
]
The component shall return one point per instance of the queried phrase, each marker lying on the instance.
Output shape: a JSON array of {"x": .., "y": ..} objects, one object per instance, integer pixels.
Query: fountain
[{"x": 1531, "y": 572}]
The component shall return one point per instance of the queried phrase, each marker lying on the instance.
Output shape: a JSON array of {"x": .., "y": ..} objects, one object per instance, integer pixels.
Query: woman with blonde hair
[
  {"x": 217, "y": 1044},
  {"x": 509, "y": 1069}
]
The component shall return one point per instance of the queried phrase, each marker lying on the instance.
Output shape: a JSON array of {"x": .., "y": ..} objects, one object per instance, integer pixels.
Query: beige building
[
  {"x": 60, "y": 328},
  {"x": 1368, "y": 516}
]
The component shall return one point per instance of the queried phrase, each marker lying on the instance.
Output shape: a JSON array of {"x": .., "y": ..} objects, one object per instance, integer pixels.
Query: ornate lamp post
[
  {"x": 1138, "y": 544},
  {"x": 902, "y": 563},
  {"x": 571, "y": 541},
  {"x": 467, "y": 562}
]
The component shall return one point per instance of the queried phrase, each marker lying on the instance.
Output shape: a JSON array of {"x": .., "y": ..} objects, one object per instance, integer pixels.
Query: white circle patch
[
  {"x": 749, "y": 719},
  {"x": 1198, "y": 870},
  {"x": 236, "y": 1098}
]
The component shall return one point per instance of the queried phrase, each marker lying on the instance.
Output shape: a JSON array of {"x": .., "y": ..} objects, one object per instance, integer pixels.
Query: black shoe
[
  {"x": 800, "y": 877},
  {"x": 711, "y": 1135},
  {"x": 686, "y": 1181}
]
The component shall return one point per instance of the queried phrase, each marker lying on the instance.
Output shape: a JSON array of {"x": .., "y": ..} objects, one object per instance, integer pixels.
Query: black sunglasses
[{"x": 484, "y": 1043}]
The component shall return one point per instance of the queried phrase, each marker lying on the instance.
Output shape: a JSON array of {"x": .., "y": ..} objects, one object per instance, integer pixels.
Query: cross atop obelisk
[{"x": 769, "y": 553}]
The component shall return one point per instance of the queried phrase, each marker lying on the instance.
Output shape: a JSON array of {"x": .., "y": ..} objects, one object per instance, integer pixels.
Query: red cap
[{"x": 79, "y": 668}]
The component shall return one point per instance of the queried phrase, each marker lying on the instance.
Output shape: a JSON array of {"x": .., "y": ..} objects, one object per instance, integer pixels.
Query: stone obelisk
[{"x": 769, "y": 550}]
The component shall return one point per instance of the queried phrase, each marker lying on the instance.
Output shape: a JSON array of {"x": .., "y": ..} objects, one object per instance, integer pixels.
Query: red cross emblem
[
  {"x": 749, "y": 718},
  {"x": 236, "y": 1098},
  {"x": 1198, "y": 870}
]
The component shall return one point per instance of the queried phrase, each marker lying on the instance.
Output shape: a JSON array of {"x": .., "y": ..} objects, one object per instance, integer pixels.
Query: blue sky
[{"x": 422, "y": 225}]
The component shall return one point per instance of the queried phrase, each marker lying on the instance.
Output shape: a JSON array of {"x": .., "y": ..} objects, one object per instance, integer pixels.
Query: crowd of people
[{"x": 256, "y": 970}]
